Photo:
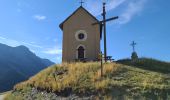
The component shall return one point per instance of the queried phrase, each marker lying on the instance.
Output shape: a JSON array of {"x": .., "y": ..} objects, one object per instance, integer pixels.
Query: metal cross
[
  {"x": 133, "y": 45},
  {"x": 81, "y": 2}
]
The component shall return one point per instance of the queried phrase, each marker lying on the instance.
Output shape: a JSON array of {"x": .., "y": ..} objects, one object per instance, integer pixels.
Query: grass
[
  {"x": 5, "y": 93},
  {"x": 149, "y": 64},
  {"x": 84, "y": 79}
]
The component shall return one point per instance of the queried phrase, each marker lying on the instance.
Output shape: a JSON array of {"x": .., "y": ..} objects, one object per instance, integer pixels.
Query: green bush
[{"x": 134, "y": 56}]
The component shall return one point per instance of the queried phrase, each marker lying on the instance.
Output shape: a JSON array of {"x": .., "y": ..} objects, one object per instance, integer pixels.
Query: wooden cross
[
  {"x": 81, "y": 2},
  {"x": 103, "y": 24},
  {"x": 133, "y": 45}
]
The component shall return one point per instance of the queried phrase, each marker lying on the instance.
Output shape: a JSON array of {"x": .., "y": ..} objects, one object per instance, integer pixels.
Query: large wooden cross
[
  {"x": 103, "y": 24},
  {"x": 133, "y": 45}
]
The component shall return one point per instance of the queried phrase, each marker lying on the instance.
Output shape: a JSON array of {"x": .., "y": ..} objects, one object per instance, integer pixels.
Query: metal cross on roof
[
  {"x": 81, "y": 2},
  {"x": 133, "y": 45}
]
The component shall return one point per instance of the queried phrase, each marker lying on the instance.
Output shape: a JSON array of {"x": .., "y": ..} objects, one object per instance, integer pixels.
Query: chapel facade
[{"x": 81, "y": 39}]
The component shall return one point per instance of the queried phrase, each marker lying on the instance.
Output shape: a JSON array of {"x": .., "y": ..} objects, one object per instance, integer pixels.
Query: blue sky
[{"x": 34, "y": 23}]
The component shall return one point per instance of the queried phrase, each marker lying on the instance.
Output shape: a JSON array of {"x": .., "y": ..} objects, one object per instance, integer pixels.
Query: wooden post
[
  {"x": 104, "y": 24},
  {"x": 101, "y": 61}
]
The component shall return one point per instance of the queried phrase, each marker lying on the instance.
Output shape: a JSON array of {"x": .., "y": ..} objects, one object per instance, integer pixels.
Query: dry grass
[
  {"x": 78, "y": 76},
  {"x": 85, "y": 78}
]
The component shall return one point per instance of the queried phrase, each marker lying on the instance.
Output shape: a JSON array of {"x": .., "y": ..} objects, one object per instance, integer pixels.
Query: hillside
[
  {"x": 18, "y": 64},
  {"x": 148, "y": 64},
  {"x": 83, "y": 81},
  {"x": 2, "y": 95}
]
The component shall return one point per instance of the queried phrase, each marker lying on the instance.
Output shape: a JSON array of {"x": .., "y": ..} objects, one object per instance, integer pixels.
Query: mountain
[
  {"x": 18, "y": 64},
  {"x": 83, "y": 81}
]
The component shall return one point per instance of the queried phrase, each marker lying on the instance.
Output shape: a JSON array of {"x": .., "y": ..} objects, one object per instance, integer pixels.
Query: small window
[{"x": 81, "y": 36}]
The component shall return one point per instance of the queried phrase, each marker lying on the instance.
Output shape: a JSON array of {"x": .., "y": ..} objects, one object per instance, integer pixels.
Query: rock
[
  {"x": 117, "y": 78},
  {"x": 59, "y": 72}
]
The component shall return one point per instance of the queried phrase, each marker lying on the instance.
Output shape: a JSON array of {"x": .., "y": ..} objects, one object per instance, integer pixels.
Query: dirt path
[{"x": 1, "y": 97}]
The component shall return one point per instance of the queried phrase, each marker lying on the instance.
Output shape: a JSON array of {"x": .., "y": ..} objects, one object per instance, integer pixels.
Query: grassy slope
[
  {"x": 149, "y": 64},
  {"x": 5, "y": 93},
  {"x": 84, "y": 79},
  {"x": 2, "y": 95}
]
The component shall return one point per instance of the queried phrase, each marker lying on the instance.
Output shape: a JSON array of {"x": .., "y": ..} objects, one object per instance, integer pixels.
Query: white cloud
[
  {"x": 129, "y": 8},
  {"x": 114, "y": 4},
  {"x": 39, "y": 17},
  {"x": 32, "y": 51},
  {"x": 3, "y": 38},
  {"x": 9, "y": 42},
  {"x": 133, "y": 9},
  {"x": 15, "y": 43},
  {"x": 53, "y": 51},
  {"x": 95, "y": 7},
  {"x": 33, "y": 45}
]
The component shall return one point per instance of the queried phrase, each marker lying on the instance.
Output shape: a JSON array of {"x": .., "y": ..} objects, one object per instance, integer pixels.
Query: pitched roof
[{"x": 61, "y": 25}]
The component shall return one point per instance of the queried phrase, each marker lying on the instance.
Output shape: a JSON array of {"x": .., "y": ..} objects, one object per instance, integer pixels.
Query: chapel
[{"x": 81, "y": 39}]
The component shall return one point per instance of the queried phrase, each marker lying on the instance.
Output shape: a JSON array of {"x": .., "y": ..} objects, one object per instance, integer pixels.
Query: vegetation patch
[
  {"x": 148, "y": 64},
  {"x": 83, "y": 80}
]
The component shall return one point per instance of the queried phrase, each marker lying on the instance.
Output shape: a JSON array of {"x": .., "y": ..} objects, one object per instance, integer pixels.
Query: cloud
[
  {"x": 9, "y": 42},
  {"x": 114, "y": 4},
  {"x": 32, "y": 51},
  {"x": 2, "y": 38},
  {"x": 53, "y": 51},
  {"x": 15, "y": 43},
  {"x": 95, "y": 7},
  {"x": 129, "y": 8},
  {"x": 33, "y": 45},
  {"x": 133, "y": 9},
  {"x": 39, "y": 17}
]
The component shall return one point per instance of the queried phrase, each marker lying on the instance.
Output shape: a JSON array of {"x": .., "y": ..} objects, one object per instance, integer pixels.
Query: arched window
[{"x": 81, "y": 53}]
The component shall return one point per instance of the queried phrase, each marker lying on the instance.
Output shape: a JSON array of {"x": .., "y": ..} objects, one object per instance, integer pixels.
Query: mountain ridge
[{"x": 18, "y": 64}]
